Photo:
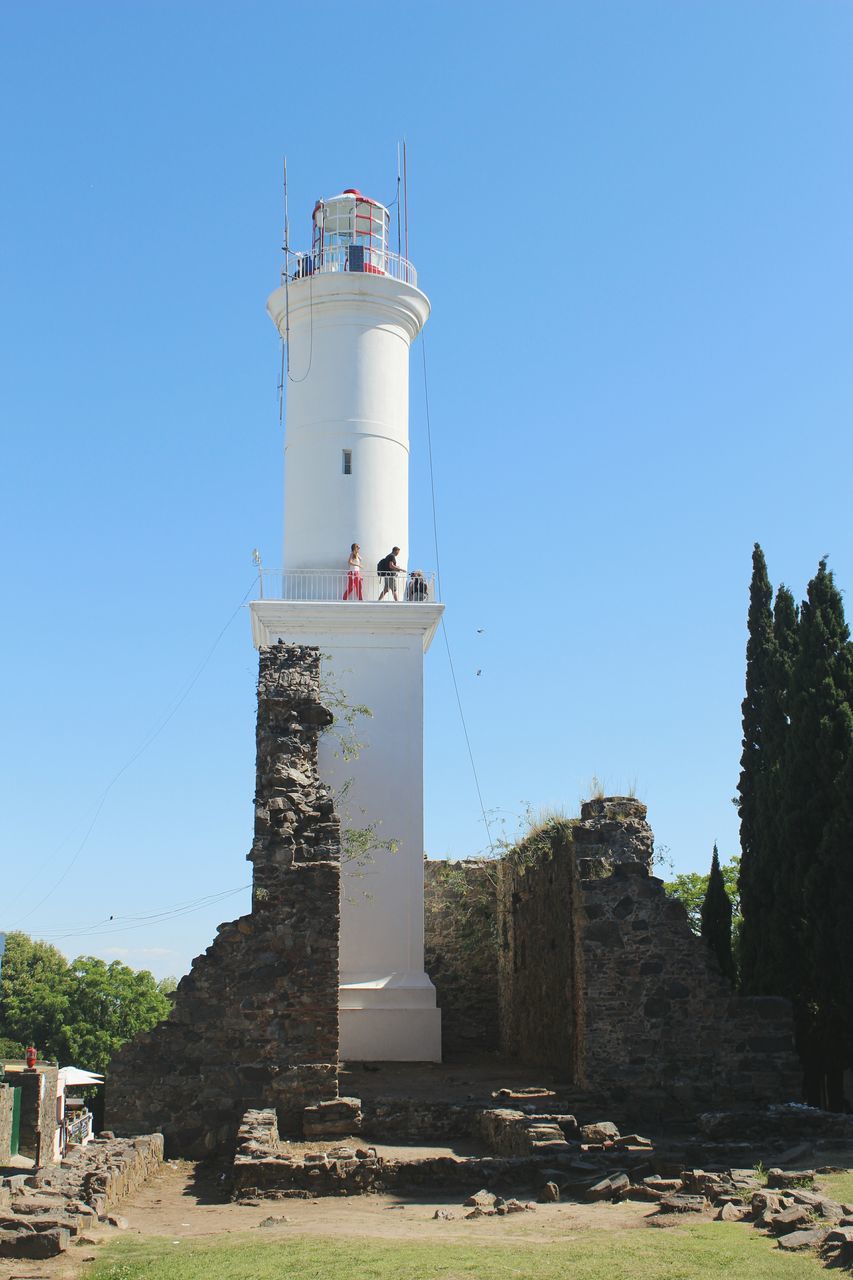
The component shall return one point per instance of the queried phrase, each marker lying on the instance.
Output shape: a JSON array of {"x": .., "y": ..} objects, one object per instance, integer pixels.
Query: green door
[{"x": 16, "y": 1121}]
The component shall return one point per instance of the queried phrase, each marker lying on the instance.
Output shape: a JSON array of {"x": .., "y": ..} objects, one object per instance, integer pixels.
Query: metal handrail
[
  {"x": 337, "y": 258},
  {"x": 308, "y": 585}
]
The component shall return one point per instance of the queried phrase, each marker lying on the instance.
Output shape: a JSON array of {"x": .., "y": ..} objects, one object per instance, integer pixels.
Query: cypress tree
[
  {"x": 716, "y": 917},
  {"x": 819, "y": 747},
  {"x": 830, "y": 901},
  {"x": 754, "y": 866},
  {"x": 776, "y": 943}
]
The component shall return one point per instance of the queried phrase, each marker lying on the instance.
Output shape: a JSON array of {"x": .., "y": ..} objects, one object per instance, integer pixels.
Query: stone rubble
[
  {"x": 549, "y": 1152},
  {"x": 43, "y": 1211}
]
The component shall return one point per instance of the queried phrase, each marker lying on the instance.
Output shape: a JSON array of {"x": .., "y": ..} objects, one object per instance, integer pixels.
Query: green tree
[
  {"x": 754, "y": 877},
  {"x": 830, "y": 899},
  {"x": 109, "y": 1004},
  {"x": 772, "y": 645},
  {"x": 690, "y": 889},
  {"x": 78, "y": 1013},
  {"x": 34, "y": 993},
  {"x": 765, "y": 939},
  {"x": 716, "y": 919},
  {"x": 819, "y": 746}
]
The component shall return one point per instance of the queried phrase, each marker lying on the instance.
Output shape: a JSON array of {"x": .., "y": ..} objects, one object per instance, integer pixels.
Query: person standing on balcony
[
  {"x": 387, "y": 570},
  {"x": 417, "y": 588},
  {"x": 354, "y": 585}
]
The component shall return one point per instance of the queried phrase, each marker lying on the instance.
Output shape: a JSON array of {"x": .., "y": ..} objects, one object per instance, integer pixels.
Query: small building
[{"x": 39, "y": 1118}]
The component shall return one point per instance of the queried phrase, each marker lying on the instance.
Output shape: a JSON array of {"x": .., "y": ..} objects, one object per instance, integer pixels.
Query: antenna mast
[
  {"x": 399, "y": 241},
  {"x": 405, "y": 200},
  {"x": 285, "y": 346}
]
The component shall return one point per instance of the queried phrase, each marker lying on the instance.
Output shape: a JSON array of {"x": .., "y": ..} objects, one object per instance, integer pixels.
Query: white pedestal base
[
  {"x": 390, "y": 1035},
  {"x": 389, "y": 1018}
]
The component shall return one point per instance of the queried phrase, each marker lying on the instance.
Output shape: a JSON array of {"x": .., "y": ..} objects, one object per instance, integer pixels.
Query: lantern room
[{"x": 350, "y": 234}]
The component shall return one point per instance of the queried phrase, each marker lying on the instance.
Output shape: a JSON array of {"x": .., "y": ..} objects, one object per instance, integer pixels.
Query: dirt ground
[{"x": 186, "y": 1202}]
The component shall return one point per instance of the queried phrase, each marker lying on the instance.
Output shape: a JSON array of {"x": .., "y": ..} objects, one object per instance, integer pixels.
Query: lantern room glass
[{"x": 347, "y": 220}]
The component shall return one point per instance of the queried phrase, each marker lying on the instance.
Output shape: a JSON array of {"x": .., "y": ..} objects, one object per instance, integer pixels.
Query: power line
[
  {"x": 132, "y": 760},
  {"x": 443, "y": 625},
  {"x": 117, "y": 924}
]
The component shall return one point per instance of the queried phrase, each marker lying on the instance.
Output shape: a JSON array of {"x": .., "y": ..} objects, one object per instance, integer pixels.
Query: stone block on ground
[
  {"x": 633, "y": 1140},
  {"x": 765, "y": 1202},
  {"x": 683, "y": 1204},
  {"x": 840, "y": 1235},
  {"x": 601, "y": 1131},
  {"x": 336, "y": 1117},
  {"x": 645, "y": 1194},
  {"x": 34, "y": 1244},
  {"x": 782, "y": 1178},
  {"x": 787, "y": 1220},
  {"x": 809, "y": 1238},
  {"x": 730, "y": 1212},
  {"x": 608, "y": 1188},
  {"x": 482, "y": 1199},
  {"x": 534, "y": 1093},
  {"x": 666, "y": 1185}
]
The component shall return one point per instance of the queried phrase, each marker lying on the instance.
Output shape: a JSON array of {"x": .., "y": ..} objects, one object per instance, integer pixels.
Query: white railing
[
  {"x": 411, "y": 588},
  {"x": 354, "y": 258},
  {"x": 79, "y": 1128}
]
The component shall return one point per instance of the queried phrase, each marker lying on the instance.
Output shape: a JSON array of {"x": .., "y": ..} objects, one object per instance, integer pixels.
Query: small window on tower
[{"x": 346, "y": 466}]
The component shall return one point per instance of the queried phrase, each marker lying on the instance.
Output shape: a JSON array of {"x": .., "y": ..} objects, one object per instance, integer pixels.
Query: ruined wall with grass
[
  {"x": 535, "y": 955},
  {"x": 460, "y": 950},
  {"x": 599, "y": 975},
  {"x": 255, "y": 1022}
]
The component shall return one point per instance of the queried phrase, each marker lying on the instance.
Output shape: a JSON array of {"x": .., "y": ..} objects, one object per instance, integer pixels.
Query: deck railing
[
  {"x": 355, "y": 258},
  {"x": 287, "y": 584}
]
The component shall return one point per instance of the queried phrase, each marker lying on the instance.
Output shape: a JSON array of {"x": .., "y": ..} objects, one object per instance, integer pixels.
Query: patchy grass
[
  {"x": 677, "y": 1253},
  {"x": 837, "y": 1185}
]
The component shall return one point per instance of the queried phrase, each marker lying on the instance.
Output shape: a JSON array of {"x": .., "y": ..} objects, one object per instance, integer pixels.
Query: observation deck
[
  {"x": 310, "y": 607},
  {"x": 412, "y": 587}
]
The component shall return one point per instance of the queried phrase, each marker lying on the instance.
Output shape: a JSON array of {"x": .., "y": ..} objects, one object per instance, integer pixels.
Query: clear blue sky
[{"x": 633, "y": 221}]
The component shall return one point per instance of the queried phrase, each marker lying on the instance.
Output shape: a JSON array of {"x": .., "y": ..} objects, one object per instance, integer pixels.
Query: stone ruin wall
[
  {"x": 535, "y": 959},
  {"x": 255, "y": 1022},
  {"x": 599, "y": 976},
  {"x": 460, "y": 927}
]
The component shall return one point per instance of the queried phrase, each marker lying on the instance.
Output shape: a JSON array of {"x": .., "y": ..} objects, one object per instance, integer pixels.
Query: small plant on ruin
[
  {"x": 344, "y": 728},
  {"x": 359, "y": 845},
  {"x": 662, "y": 859}
]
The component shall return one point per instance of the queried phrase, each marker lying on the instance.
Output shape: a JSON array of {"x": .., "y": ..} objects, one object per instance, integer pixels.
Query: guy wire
[{"x": 443, "y": 626}]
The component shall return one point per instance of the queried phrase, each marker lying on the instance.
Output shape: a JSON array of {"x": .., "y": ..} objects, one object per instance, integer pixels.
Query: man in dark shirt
[{"x": 387, "y": 570}]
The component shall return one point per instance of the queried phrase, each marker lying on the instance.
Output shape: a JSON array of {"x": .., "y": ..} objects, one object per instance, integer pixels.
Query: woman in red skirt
[{"x": 354, "y": 574}]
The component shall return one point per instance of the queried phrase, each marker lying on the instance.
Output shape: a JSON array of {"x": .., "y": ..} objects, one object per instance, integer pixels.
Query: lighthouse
[{"x": 348, "y": 311}]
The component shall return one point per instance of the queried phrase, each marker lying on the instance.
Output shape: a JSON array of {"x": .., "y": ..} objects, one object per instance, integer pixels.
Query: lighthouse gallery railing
[
  {"x": 353, "y": 258},
  {"x": 411, "y": 587}
]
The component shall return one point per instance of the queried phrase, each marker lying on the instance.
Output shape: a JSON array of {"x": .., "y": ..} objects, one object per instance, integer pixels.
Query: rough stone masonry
[
  {"x": 255, "y": 1022},
  {"x": 594, "y": 972}
]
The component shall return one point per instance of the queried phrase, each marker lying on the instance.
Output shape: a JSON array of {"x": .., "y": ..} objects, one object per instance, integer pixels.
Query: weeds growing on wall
[
  {"x": 359, "y": 845},
  {"x": 538, "y": 844},
  {"x": 465, "y": 890}
]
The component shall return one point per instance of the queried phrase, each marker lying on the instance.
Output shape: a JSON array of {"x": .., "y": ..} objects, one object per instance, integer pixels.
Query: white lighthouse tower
[{"x": 349, "y": 311}]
